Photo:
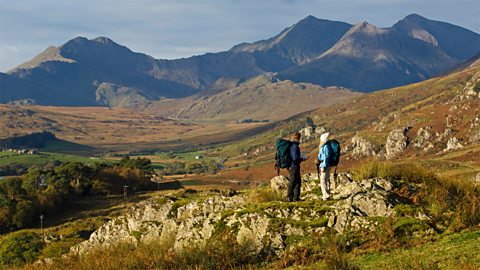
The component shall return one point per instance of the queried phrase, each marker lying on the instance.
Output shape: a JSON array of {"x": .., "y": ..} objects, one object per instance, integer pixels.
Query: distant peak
[
  {"x": 101, "y": 40},
  {"x": 104, "y": 40},
  {"x": 78, "y": 39},
  {"x": 415, "y": 16},
  {"x": 82, "y": 42},
  {"x": 310, "y": 18},
  {"x": 366, "y": 27}
]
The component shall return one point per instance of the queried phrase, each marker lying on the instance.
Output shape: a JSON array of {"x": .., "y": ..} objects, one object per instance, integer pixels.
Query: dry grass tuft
[
  {"x": 264, "y": 195},
  {"x": 222, "y": 252}
]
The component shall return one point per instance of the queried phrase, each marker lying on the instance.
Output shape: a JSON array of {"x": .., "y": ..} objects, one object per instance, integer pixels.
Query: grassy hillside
[{"x": 439, "y": 104}]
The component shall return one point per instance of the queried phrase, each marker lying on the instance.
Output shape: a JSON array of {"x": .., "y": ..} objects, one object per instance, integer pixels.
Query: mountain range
[{"x": 362, "y": 57}]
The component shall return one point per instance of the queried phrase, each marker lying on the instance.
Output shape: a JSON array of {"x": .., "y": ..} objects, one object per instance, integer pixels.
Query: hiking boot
[
  {"x": 298, "y": 200},
  {"x": 289, "y": 200}
]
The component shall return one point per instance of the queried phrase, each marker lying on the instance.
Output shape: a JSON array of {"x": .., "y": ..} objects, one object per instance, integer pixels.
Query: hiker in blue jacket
[
  {"x": 295, "y": 180},
  {"x": 322, "y": 162}
]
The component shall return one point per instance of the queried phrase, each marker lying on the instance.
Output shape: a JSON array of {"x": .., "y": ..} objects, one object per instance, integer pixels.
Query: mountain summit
[
  {"x": 328, "y": 53},
  {"x": 369, "y": 58},
  {"x": 301, "y": 42},
  {"x": 456, "y": 41}
]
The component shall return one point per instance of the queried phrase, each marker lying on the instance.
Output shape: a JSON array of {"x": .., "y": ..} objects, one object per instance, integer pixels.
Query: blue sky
[{"x": 173, "y": 29}]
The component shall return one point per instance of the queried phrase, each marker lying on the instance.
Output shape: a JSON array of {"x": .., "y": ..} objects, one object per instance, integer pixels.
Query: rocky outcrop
[
  {"x": 423, "y": 139},
  {"x": 475, "y": 130},
  {"x": 162, "y": 219},
  {"x": 397, "y": 141},
  {"x": 311, "y": 132},
  {"x": 260, "y": 150},
  {"x": 477, "y": 178},
  {"x": 360, "y": 147},
  {"x": 264, "y": 227},
  {"x": 453, "y": 144},
  {"x": 391, "y": 117},
  {"x": 472, "y": 87},
  {"x": 442, "y": 136},
  {"x": 307, "y": 133},
  {"x": 470, "y": 91},
  {"x": 319, "y": 131},
  {"x": 279, "y": 185}
]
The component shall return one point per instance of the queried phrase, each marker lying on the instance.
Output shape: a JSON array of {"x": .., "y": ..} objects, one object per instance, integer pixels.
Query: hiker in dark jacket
[{"x": 295, "y": 180}]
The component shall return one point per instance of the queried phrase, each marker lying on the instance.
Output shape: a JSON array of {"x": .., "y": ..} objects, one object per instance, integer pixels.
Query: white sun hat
[{"x": 324, "y": 137}]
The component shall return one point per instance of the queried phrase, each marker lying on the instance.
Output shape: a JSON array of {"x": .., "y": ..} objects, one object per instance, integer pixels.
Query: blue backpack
[{"x": 333, "y": 147}]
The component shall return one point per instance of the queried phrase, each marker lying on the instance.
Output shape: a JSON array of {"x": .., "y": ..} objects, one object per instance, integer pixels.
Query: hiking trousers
[
  {"x": 325, "y": 183},
  {"x": 294, "y": 184}
]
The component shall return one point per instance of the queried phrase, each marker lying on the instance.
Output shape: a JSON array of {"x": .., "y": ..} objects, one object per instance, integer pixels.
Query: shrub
[
  {"x": 19, "y": 248},
  {"x": 476, "y": 87}
]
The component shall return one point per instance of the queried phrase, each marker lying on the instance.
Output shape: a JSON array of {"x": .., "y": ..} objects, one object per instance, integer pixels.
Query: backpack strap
[{"x": 277, "y": 166}]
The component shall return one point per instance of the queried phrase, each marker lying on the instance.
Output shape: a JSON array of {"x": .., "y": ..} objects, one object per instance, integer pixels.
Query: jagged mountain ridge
[
  {"x": 313, "y": 50},
  {"x": 301, "y": 42},
  {"x": 369, "y": 58}
]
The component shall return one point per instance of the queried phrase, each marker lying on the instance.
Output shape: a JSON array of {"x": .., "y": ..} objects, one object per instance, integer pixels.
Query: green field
[
  {"x": 10, "y": 158},
  {"x": 61, "y": 146},
  {"x": 158, "y": 166},
  {"x": 185, "y": 156}
]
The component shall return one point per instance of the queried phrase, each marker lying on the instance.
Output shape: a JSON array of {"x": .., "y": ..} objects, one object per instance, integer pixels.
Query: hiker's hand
[
  {"x": 322, "y": 170},
  {"x": 317, "y": 162}
]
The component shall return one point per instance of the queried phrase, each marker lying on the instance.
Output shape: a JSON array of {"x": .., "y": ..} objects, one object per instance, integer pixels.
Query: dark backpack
[
  {"x": 333, "y": 147},
  {"x": 283, "y": 159}
]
